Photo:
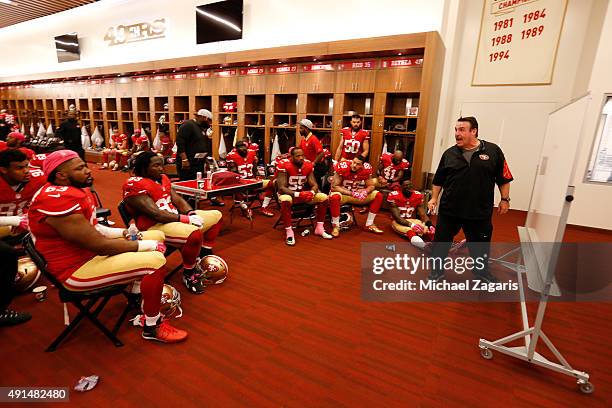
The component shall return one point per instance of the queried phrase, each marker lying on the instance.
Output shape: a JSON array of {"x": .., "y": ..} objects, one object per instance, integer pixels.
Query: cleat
[
  {"x": 324, "y": 235},
  {"x": 164, "y": 333},
  {"x": 290, "y": 241},
  {"x": 12, "y": 318},
  {"x": 266, "y": 211},
  {"x": 373, "y": 229}
]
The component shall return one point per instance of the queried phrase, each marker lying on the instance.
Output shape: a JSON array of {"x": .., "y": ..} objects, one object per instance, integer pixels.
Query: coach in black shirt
[
  {"x": 70, "y": 132},
  {"x": 467, "y": 174},
  {"x": 193, "y": 143}
]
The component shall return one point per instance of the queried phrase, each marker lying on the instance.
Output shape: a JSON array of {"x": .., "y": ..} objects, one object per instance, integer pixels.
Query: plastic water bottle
[{"x": 133, "y": 232}]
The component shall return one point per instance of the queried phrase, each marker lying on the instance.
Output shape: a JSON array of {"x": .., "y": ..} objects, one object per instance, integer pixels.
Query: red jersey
[
  {"x": 254, "y": 147},
  {"x": 391, "y": 169},
  {"x": 120, "y": 141},
  {"x": 407, "y": 206},
  {"x": 166, "y": 149},
  {"x": 352, "y": 144},
  {"x": 243, "y": 164},
  {"x": 296, "y": 176},
  {"x": 15, "y": 202},
  {"x": 159, "y": 193},
  {"x": 311, "y": 147},
  {"x": 353, "y": 181},
  {"x": 62, "y": 256},
  {"x": 37, "y": 160}
]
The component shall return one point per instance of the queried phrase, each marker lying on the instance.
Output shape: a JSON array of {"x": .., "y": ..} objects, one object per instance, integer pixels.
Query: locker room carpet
[{"x": 289, "y": 328}]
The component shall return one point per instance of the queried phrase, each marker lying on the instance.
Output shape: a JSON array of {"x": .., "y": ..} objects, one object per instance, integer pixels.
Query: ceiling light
[
  {"x": 8, "y": 2},
  {"x": 219, "y": 19},
  {"x": 399, "y": 53}
]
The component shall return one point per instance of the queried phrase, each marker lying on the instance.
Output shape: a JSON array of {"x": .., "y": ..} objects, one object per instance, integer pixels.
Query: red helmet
[{"x": 214, "y": 270}]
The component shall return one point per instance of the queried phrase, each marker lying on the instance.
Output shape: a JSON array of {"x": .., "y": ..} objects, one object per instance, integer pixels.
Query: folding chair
[
  {"x": 84, "y": 301},
  {"x": 102, "y": 213},
  {"x": 126, "y": 217},
  {"x": 299, "y": 213}
]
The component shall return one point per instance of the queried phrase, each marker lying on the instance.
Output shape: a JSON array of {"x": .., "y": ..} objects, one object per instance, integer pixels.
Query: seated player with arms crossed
[
  {"x": 85, "y": 255},
  {"x": 353, "y": 184},
  {"x": 354, "y": 141},
  {"x": 155, "y": 206},
  {"x": 18, "y": 184},
  {"x": 242, "y": 160},
  {"x": 391, "y": 169},
  {"x": 293, "y": 175}
]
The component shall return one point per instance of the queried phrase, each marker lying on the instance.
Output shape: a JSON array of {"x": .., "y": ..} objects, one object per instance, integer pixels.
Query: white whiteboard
[
  {"x": 556, "y": 170},
  {"x": 518, "y": 41}
]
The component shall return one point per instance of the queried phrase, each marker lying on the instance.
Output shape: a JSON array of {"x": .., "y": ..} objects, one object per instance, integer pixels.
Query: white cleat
[{"x": 325, "y": 235}]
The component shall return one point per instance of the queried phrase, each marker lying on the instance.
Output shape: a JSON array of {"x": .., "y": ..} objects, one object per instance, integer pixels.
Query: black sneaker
[
  {"x": 486, "y": 277},
  {"x": 12, "y": 318},
  {"x": 436, "y": 276},
  {"x": 193, "y": 282}
]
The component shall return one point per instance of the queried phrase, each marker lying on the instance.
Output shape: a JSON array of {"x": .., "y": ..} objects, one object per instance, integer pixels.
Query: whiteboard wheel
[
  {"x": 587, "y": 388},
  {"x": 486, "y": 353}
]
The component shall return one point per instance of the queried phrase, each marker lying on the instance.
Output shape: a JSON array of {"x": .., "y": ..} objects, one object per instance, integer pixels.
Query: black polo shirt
[
  {"x": 191, "y": 139},
  {"x": 469, "y": 187}
]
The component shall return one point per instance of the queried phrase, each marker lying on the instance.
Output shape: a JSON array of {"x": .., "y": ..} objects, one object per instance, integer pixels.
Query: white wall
[
  {"x": 591, "y": 206},
  {"x": 512, "y": 116},
  {"x": 267, "y": 23}
]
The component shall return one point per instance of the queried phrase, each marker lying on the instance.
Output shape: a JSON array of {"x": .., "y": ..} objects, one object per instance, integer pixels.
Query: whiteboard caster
[
  {"x": 486, "y": 353},
  {"x": 586, "y": 387}
]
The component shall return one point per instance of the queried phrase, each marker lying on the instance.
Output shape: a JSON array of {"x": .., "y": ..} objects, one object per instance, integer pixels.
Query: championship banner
[{"x": 518, "y": 42}]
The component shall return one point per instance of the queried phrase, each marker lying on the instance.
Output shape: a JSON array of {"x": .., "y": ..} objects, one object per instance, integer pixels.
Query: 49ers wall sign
[{"x": 123, "y": 34}]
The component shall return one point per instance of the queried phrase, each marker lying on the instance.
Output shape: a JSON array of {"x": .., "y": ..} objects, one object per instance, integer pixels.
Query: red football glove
[
  {"x": 432, "y": 230},
  {"x": 306, "y": 195}
]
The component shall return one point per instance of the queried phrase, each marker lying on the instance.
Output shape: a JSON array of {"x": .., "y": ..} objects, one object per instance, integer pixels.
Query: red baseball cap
[{"x": 16, "y": 135}]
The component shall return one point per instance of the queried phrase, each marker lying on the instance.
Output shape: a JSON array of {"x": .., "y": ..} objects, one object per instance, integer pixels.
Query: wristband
[
  {"x": 184, "y": 219},
  {"x": 10, "y": 220},
  {"x": 109, "y": 232}
]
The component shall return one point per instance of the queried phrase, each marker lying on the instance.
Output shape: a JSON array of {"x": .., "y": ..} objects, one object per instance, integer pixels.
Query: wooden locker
[
  {"x": 399, "y": 80},
  {"x": 356, "y": 81},
  {"x": 252, "y": 85},
  {"x": 317, "y": 82},
  {"x": 282, "y": 83}
]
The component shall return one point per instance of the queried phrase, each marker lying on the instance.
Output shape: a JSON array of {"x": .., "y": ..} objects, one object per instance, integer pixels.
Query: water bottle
[
  {"x": 133, "y": 232},
  {"x": 199, "y": 180}
]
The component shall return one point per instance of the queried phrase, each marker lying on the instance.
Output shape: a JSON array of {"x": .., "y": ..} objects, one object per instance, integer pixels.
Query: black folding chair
[
  {"x": 127, "y": 217},
  {"x": 299, "y": 213},
  {"x": 84, "y": 301},
  {"x": 102, "y": 213}
]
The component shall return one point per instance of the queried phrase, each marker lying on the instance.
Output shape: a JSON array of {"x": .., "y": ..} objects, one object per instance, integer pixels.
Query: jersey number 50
[{"x": 351, "y": 146}]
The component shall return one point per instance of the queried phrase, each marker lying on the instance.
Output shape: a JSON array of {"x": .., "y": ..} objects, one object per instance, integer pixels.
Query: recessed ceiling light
[
  {"x": 248, "y": 65},
  {"x": 8, "y": 2},
  {"x": 399, "y": 53}
]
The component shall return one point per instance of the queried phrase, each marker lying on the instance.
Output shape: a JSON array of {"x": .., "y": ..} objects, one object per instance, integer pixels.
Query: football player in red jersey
[
  {"x": 293, "y": 175},
  {"x": 241, "y": 160},
  {"x": 84, "y": 255},
  {"x": 110, "y": 153},
  {"x": 353, "y": 184},
  {"x": 37, "y": 160},
  {"x": 18, "y": 185},
  {"x": 354, "y": 141},
  {"x": 410, "y": 219},
  {"x": 155, "y": 206},
  {"x": 391, "y": 169},
  {"x": 310, "y": 144}
]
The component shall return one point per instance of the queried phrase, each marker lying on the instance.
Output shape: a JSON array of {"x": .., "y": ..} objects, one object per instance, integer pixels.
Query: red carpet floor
[{"x": 289, "y": 328}]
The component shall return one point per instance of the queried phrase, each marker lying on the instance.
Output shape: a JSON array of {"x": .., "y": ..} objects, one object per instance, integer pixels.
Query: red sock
[
  {"x": 151, "y": 289},
  {"x": 286, "y": 213},
  {"x": 191, "y": 249},
  {"x": 123, "y": 161},
  {"x": 321, "y": 210},
  {"x": 376, "y": 203},
  {"x": 105, "y": 154},
  {"x": 334, "y": 204},
  {"x": 211, "y": 235}
]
